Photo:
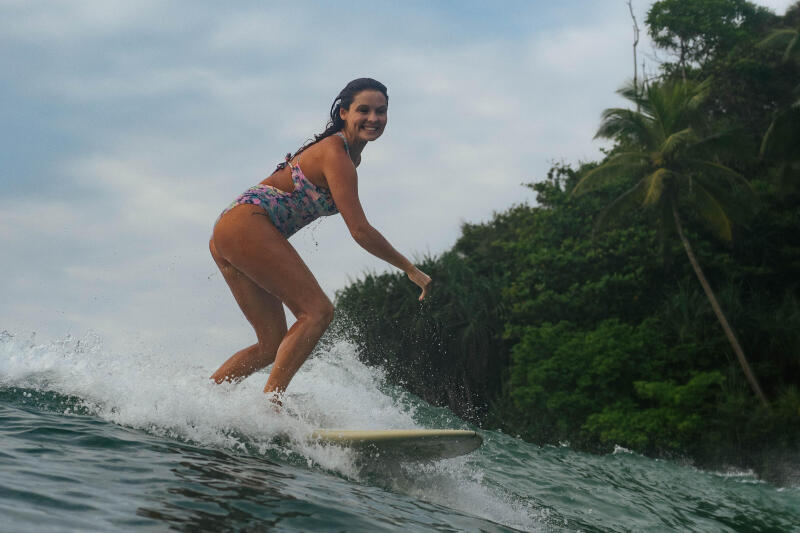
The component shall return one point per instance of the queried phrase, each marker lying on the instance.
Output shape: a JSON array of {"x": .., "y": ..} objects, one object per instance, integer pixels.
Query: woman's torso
[{"x": 293, "y": 196}]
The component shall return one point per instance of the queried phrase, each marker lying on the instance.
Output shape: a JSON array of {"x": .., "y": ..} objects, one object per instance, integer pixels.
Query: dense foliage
[{"x": 553, "y": 328}]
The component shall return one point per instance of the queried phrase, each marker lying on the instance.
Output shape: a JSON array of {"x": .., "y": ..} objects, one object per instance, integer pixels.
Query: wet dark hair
[{"x": 343, "y": 100}]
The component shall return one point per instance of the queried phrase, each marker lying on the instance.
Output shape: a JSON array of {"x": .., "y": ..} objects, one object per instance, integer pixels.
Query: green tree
[
  {"x": 663, "y": 147},
  {"x": 781, "y": 142},
  {"x": 449, "y": 349},
  {"x": 697, "y": 30},
  {"x": 786, "y": 39}
]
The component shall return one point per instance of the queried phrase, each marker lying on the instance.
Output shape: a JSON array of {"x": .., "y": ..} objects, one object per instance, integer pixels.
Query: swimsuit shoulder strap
[
  {"x": 286, "y": 163},
  {"x": 344, "y": 139},
  {"x": 289, "y": 155}
]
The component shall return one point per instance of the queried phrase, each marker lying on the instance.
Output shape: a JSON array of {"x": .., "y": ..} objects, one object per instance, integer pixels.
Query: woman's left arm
[{"x": 343, "y": 183}]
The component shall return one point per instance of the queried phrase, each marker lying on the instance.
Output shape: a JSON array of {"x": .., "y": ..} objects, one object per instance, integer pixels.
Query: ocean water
[{"x": 92, "y": 440}]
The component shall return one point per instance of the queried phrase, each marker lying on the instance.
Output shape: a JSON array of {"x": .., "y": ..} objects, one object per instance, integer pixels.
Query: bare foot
[{"x": 274, "y": 398}]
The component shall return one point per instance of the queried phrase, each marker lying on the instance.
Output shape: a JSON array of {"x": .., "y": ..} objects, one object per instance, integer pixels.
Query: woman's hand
[{"x": 422, "y": 280}]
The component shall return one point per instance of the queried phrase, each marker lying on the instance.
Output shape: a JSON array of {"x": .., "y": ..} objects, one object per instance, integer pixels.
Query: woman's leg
[
  {"x": 247, "y": 240},
  {"x": 264, "y": 312}
]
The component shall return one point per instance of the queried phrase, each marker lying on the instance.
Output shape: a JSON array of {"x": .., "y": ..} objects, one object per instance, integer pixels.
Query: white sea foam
[{"x": 172, "y": 396}]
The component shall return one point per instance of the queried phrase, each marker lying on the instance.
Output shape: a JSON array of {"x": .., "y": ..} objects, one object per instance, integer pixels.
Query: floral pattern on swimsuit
[{"x": 290, "y": 211}]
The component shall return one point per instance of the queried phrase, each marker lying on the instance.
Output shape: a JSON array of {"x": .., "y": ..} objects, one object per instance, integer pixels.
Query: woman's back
[
  {"x": 310, "y": 161},
  {"x": 290, "y": 197}
]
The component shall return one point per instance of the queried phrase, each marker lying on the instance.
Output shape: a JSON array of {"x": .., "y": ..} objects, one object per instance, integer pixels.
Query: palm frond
[
  {"x": 632, "y": 93},
  {"x": 629, "y": 91},
  {"x": 697, "y": 94},
  {"x": 657, "y": 99},
  {"x": 767, "y": 142},
  {"x": 626, "y": 201},
  {"x": 791, "y": 48},
  {"x": 616, "y": 121},
  {"x": 738, "y": 208},
  {"x": 629, "y": 157},
  {"x": 679, "y": 139},
  {"x": 721, "y": 142},
  {"x": 782, "y": 139},
  {"x": 654, "y": 185},
  {"x": 782, "y": 37},
  {"x": 715, "y": 169},
  {"x": 620, "y": 123},
  {"x": 712, "y": 212},
  {"x": 607, "y": 173},
  {"x": 777, "y": 38}
]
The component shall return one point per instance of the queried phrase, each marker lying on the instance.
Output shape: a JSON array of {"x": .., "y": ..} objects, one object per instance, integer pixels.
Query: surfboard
[{"x": 404, "y": 444}]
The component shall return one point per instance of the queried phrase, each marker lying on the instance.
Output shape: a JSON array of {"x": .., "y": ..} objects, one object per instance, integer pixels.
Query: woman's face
[{"x": 366, "y": 118}]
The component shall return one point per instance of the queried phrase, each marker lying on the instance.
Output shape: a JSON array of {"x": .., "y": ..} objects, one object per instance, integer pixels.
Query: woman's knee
[
  {"x": 329, "y": 312},
  {"x": 321, "y": 312}
]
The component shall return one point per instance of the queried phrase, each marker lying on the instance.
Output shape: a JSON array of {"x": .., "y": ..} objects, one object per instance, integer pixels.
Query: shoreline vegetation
[{"x": 649, "y": 300}]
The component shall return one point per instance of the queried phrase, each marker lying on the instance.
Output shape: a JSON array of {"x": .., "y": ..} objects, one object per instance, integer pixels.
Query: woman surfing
[{"x": 251, "y": 248}]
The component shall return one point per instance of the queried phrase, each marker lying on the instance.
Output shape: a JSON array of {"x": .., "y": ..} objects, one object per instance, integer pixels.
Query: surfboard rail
[{"x": 404, "y": 444}]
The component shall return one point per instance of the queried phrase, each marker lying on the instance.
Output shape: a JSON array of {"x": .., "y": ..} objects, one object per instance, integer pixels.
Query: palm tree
[
  {"x": 781, "y": 142},
  {"x": 663, "y": 148},
  {"x": 788, "y": 39}
]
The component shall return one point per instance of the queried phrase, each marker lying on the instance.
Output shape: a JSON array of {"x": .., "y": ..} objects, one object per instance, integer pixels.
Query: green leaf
[
  {"x": 712, "y": 212},
  {"x": 607, "y": 173},
  {"x": 626, "y": 201},
  {"x": 782, "y": 140},
  {"x": 617, "y": 122},
  {"x": 777, "y": 38},
  {"x": 654, "y": 185},
  {"x": 678, "y": 139},
  {"x": 715, "y": 169},
  {"x": 791, "y": 48},
  {"x": 698, "y": 94}
]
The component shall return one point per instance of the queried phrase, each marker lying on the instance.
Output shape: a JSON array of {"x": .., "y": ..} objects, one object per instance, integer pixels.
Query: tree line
[{"x": 648, "y": 300}]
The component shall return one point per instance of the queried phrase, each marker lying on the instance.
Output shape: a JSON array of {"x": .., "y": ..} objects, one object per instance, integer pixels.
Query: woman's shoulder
[
  {"x": 332, "y": 146},
  {"x": 334, "y": 143},
  {"x": 325, "y": 154}
]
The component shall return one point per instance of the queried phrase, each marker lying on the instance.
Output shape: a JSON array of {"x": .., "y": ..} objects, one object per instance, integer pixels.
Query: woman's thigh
[
  {"x": 263, "y": 310},
  {"x": 247, "y": 239}
]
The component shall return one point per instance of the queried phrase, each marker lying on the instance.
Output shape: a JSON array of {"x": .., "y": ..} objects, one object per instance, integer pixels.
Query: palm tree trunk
[
  {"x": 682, "y": 61},
  {"x": 635, "y": 43},
  {"x": 751, "y": 378}
]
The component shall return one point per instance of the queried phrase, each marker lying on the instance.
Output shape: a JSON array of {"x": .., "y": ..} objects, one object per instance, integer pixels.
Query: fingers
[
  {"x": 422, "y": 280},
  {"x": 424, "y": 291}
]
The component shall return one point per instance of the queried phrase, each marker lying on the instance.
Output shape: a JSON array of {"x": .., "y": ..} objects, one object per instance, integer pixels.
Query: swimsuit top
[
  {"x": 308, "y": 201},
  {"x": 291, "y": 210}
]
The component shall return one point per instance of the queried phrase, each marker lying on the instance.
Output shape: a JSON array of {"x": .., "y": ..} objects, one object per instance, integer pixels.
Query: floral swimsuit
[{"x": 290, "y": 211}]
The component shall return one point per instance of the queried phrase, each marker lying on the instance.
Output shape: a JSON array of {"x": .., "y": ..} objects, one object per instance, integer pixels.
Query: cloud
[
  {"x": 269, "y": 29},
  {"x": 141, "y": 199},
  {"x": 60, "y": 23},
  {"x": 148, "y": 118}
]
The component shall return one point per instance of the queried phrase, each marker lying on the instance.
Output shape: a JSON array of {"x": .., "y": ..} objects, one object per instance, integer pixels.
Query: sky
[{"x": 128, "y": 126}]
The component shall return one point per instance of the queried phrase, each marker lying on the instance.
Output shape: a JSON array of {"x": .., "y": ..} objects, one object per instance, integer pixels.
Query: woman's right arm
[{"x": 343, "y": 183}]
